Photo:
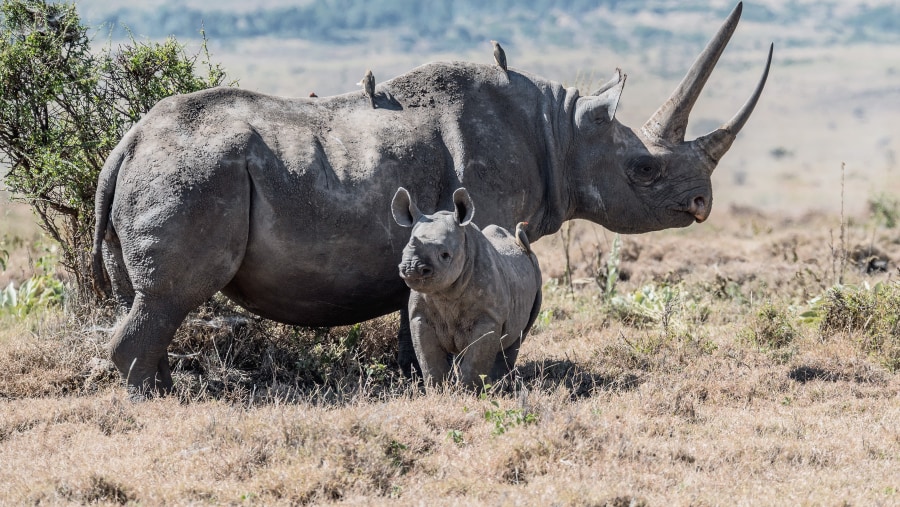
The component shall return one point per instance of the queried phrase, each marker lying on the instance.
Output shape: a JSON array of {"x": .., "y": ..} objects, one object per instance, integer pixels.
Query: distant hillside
[{"x": 444, "y": 25}]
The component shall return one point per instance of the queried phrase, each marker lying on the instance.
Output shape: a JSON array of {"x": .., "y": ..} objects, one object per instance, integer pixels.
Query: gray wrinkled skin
[
  {"x": 473, "y": 294},
  {"x": 282, "y": 204}
]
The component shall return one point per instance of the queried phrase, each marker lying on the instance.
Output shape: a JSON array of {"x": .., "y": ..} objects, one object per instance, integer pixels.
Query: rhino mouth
[
  {"x": 683, "y": 217},
  {"x": 419, "y": 283},
  {"x": 416, "y": 276}
]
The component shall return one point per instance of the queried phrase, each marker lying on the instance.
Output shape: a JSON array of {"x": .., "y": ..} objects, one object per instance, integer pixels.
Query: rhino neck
[{"x": 558, "y": 136}]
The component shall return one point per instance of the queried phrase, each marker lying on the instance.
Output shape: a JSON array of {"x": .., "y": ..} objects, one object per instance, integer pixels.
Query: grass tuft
[
  {"x": 772, "y": 327},
  {"x": 871, "y": 315}
]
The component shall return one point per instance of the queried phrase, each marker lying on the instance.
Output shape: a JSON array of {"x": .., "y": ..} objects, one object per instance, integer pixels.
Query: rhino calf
[{"x": 474, "y": 294}]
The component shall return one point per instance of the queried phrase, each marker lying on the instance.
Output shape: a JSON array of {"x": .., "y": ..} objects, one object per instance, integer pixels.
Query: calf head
[
  {"x": 435, "y": 256},
  {"x": 640, "y": 180}
]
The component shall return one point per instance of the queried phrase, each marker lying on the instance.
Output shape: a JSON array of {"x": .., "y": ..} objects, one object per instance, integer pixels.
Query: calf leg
[
  {"x": 432, "y": 357},
  {"x": 477, "y": 360},
  {"x": 505, "y": 360}
]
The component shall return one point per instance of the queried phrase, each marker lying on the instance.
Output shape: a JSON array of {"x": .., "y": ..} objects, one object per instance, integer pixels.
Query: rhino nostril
[
  {"x": 699, "y": 208},
  {"x": 424, "y": 270},
  {"x": 699, "y": 203}
]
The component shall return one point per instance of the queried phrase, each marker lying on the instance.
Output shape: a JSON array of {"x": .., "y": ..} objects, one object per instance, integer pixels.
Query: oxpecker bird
[
  {"x": 522, "y": 237},
  {"x": 368, "y": 84},
  {"x": 499, "y": 55}
]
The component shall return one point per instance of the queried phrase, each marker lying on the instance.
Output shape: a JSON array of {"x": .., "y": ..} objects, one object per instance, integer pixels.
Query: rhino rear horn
[
  {"x": 464, "y": 209},
  {"x": 405, "y": 211},
  {"x": 669, "y": 122}
]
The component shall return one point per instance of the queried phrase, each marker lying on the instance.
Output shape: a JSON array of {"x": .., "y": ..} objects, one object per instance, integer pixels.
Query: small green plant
[
  {"x": 544, "y": 318},
  {"x": 485, "y": 387},
  {"x": 647, "y": 305},
  {"x": 456, "y": 436},
  {"x": 503, "y": 420},
  {"x": 611, "y": 274},
  {"x": 885, "y": 210},
  {"x": 772, "y": 327},
  {"x": 42, "y": 290},
  {"x": 377, "y": 371},
  {"x": 395, "y": 451}
]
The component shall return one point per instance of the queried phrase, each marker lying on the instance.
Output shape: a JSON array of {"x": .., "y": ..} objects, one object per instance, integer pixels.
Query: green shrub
[
  {"x": 872, "y": 314},
  {"x": 63, "y": 107}
]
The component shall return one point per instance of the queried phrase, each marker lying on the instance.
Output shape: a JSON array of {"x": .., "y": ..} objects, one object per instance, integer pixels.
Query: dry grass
[{"x": 704, "y": 401}]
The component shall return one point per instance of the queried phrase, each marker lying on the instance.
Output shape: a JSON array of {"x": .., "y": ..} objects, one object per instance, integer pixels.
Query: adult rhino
[{"x": 282, "y": 204}]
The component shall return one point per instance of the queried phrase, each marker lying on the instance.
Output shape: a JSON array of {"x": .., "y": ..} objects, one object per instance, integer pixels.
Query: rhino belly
[{"x": 318, "y": 283}]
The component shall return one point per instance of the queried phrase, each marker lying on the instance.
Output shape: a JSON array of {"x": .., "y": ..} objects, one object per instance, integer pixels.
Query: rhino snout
[{"x": 415, "y": 270}]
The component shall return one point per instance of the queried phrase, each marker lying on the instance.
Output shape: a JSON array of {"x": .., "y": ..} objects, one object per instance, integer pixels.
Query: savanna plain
[{"x": 750, "y": 360}]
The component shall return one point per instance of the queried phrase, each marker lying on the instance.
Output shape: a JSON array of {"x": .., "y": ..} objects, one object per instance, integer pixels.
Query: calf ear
[
  {"x": 462, "y": 204},
  {"x": 405, "y": 211}
]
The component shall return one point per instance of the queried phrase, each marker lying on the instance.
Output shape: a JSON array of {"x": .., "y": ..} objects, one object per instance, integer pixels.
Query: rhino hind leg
[
  {"x": 179, "y": 246},
  {"x": 139, "y": 344}
]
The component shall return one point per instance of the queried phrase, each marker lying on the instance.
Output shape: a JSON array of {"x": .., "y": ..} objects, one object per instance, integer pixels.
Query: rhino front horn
[
  {"x": 669, "y": 122},
  {"x": 717, "y": 142}
]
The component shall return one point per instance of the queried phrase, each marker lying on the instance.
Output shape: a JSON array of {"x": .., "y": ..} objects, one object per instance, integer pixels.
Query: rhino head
[
  {"x": 435, "y": 256},
  {"x": 653, "y": 179}
]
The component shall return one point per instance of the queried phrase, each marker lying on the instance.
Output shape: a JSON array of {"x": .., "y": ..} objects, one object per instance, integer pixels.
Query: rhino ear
[
  {"x": 616, "y": 80},
  {"x": 462, "y": 204},
  {"x": 405, "y": 211},
  {"x": 600, "y": 107}
]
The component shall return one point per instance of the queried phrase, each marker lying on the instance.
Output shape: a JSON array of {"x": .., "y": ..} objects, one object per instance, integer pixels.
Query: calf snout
[{"x": 415, "y": 270}]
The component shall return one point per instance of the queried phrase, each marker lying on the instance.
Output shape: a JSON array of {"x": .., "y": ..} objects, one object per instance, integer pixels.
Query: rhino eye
[
  {"x": 445, "y": 256},
  {"x": 644, "y": 170}
]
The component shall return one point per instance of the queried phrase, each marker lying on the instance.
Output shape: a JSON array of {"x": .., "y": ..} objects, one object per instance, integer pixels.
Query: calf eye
[{"x": 445, "y": 256}]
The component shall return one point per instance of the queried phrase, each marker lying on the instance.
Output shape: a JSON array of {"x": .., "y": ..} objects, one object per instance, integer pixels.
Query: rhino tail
[
  {"x": 535, "y": 310},
  {"x": 103, "y": 198}
]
